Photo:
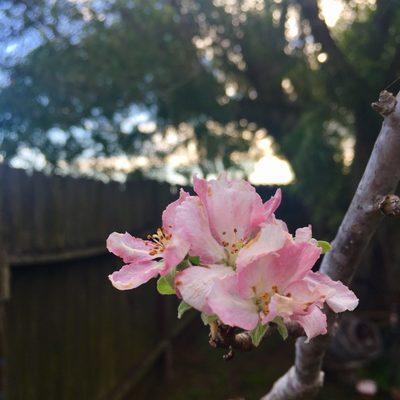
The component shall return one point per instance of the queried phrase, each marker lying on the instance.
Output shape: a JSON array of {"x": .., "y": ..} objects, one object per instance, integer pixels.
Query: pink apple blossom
[
  {"x": 229, "y": 223},
  {"x": 249, "y": 269},
  {"x": 146, "y": 259},
  {"x": 280, "y": 284}
]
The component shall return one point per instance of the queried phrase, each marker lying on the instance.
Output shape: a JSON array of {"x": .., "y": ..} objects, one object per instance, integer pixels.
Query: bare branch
[{"x": 380, "y": 178}]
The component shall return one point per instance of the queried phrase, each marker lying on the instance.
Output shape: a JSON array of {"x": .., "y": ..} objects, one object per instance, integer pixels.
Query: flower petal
[
  {"x": 195, "y": 283},
  {"x": 313, "y": 323},
  {"x": 278, "y": 268},
  {"x": 279, "y": 306},
  {"x": 271, "y": 238},
  {"x": 273, "y": 203},
  {"x": 303, "y": 234},
  {"x": 129, "y": 248},
  {"x": 133, "y": 275},
  {"x": 168, "y": 216},
  {"x": 225, "y": 301},
  {"x": 304, "y": 295},
  {"x": 177, "y": 247},
  {"x": 294, "y": 262},
  {"x": 233, "y": 206},
  {"x": 194, "y": 227},
  {"x": 175, "y": 251},
  {"x": 338, "y": 296},
  {"x": 257, "y": 277}
]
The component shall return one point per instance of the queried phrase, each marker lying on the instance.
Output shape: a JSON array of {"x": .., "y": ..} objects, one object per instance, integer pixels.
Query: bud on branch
[{"x": 390, "y": 205}]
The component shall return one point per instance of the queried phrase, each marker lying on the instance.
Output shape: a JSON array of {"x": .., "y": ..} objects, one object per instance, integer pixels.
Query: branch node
[
  {"x": 385, "y": 104},
  {"x": 390, "y": 205}
]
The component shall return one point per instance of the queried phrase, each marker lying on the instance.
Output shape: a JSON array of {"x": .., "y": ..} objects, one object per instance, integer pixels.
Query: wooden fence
[
  {"x": 46, "y": 220},
  {"x": 50, "y": 219}
]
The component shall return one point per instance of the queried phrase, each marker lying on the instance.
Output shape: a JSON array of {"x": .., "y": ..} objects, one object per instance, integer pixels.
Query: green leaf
[
  {"x": 325, "y": 246},
  {"x": 182, "y": 265},
  {"x": 207, "y": 319},
  {"x": 182, "y": 308},
  {"x": 258, "y": 333},
  {"x": 281, "y": 327},
  {"x": 194, "y": 260},
  {"x": 165, "y": 285}
]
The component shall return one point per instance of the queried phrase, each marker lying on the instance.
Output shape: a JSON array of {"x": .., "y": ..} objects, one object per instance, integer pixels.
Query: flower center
[
  {"x": 232, "y": 248},
  {"x": 160, "y": 240},
  {"x": 262, "y": 301}
]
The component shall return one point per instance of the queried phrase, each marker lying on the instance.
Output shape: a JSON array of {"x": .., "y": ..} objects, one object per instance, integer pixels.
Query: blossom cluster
[{"x": 224, "y": 253}]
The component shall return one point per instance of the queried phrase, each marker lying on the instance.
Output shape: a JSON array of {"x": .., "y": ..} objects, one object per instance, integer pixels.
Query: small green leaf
[
  {"x": 281, "y": 327},
  {"x": 325, "y": 246},
  {"x": 182, "y": 308},
  {"x": 207, "y": 319},
  {"x": 258, "y": 333},
  {"x": 182, "y": 265},
  {"x": 194, "y": 260},
  {"x": 165, "y": 285}
]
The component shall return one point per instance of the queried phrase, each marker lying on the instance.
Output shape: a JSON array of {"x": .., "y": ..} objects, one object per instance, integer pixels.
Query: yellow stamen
[{"x": 159, "y": 239}]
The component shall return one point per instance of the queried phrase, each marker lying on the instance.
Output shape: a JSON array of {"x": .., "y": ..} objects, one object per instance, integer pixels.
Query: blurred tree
[{"x": 224, "y": 68}]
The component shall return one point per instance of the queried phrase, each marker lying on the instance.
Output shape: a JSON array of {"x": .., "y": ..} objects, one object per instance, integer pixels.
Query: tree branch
[{"x": 380, "y": 179}]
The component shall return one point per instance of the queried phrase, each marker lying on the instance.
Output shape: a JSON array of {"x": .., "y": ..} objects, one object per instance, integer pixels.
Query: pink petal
[
  {"x": 133, "y": 275},
  {"x": 257, "y": 277},
  {"x": 280, "y": 306},
  {"x": 168, "y": 216},
  {"x": 233, "y": 207},
  {"x": 195, "y": 283},
  {"x": 303, "y": 234},
  {"x": 273, "y": 203},
  {"x": 294, "y": 262},
  {"x": 279, "y": 222},
  {"x": 338, "y": 296},
  {"x": 232, "y": 309},
  {"x": 313, "y": 323},
  {"x": 297, "y": 299},
  {"x": 194, "y": 227},
  {"x": 303, "y": 295},
  {"x": 177, "y": 247},
  {"x": 278, "y": 268},
  {"x": 175, "y": 251},
  {"x": 129, "y": 248},
  {"x": 271, "y": 238}
]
